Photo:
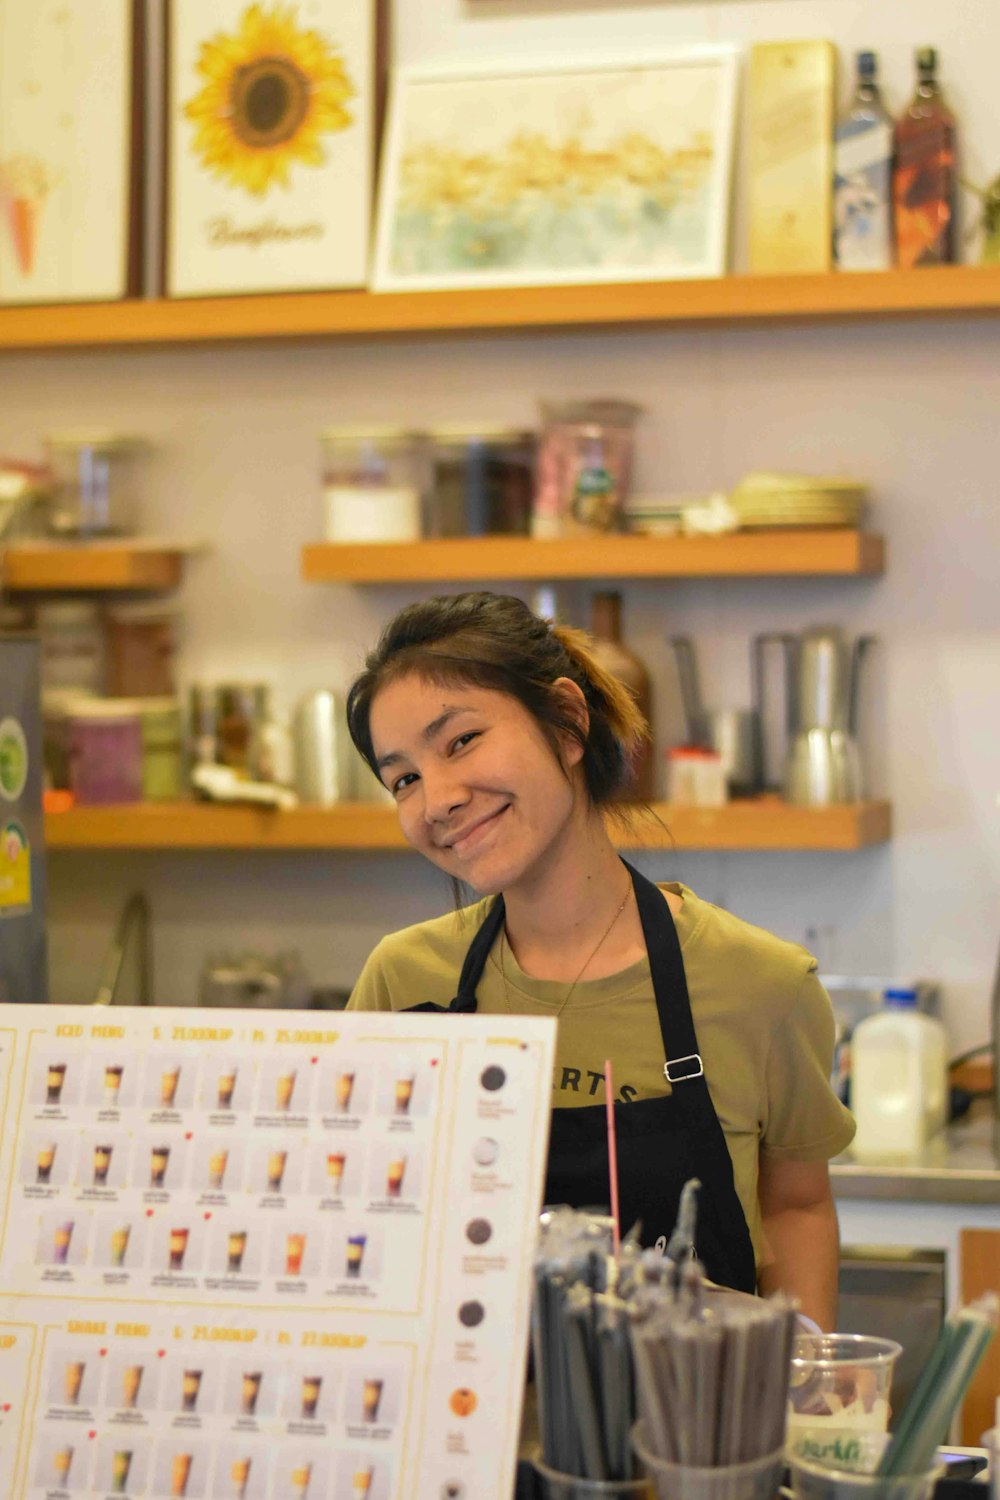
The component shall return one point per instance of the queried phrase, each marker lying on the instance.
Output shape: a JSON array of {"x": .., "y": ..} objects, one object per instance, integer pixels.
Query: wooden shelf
[
  {"x": 92, "y": 566},
  {"x": 765, "y": 823},
  {"x": 929, "y": 291},
  {"x": 806, "y": 551}
]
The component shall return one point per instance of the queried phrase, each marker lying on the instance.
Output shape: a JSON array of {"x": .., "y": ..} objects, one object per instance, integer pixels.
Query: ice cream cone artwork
[{"x": 25, "y": 183}]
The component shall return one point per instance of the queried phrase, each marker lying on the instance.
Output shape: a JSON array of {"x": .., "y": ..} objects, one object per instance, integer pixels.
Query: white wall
[{"x": 910, "y": 406}]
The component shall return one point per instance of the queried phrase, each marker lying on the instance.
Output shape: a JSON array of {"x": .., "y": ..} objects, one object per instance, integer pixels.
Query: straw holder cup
[{"x": 758, "y": 1479}]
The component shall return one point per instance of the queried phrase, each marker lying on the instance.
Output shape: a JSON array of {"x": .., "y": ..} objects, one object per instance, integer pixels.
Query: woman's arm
[{"x": 802, "y": 1239}]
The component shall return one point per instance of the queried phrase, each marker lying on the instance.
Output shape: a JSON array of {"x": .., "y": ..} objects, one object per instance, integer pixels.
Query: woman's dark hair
[{"x": 494, "y": 641}]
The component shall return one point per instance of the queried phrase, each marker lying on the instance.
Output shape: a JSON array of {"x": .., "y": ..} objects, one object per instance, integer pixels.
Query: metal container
[
  {"x": 96, "y": 482},
  {"x": 482, "y": 480},
  {"x": 322, "y": 750}
]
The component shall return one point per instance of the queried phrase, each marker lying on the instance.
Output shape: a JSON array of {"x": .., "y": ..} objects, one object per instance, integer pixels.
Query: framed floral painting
[
  {"x": 70, "y": 149},
  {"x": 270, "y": 109},
  {"x": 615, "y": 170}
]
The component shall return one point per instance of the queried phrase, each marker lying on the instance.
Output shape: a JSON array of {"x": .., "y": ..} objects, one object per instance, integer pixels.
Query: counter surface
[{"x": 958, "y": 1166}]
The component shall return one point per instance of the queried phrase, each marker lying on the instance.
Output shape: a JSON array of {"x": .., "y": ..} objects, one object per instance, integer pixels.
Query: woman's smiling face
[{"x": 477, "y": 784}]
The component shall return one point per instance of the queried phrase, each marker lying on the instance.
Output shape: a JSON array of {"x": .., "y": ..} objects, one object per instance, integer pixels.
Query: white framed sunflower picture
[{"x": 269, "y": 140}]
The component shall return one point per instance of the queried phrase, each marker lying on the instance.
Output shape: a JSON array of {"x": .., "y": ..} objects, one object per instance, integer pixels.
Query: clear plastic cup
[
  {"x": 838, "y": 1399},
  {"x": 556, "y": 1486},
  {"x": 816, "y": 1481},
  {"x": 758, "y": 1479}
]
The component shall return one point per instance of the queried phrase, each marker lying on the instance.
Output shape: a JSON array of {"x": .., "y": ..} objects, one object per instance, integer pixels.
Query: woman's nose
[{"x": 443, "y": 794}]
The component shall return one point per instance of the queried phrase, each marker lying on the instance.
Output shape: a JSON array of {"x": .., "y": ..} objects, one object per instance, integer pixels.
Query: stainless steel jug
[
  {"x": 821, "y": 764},
  {"x": 733, "y": 732}
]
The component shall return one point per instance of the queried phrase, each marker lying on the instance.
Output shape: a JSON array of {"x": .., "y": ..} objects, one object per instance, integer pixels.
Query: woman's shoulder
[
  {"x": 418, "y": 963},
  {"x": 711, "y": 934}
]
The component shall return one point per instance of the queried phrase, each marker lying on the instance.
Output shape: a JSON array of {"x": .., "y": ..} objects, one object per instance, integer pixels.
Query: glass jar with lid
[
  {"x": 95, "y": 481},
  {"x": 373, "y": 482},
  {"x": 482, "y": 480}
]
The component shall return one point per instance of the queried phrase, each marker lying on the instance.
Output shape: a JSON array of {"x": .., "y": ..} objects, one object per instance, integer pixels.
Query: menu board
[{"x": 266, "y": 1255}]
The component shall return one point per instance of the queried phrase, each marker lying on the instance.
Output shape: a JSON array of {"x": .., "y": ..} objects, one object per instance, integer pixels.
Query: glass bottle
[
  {"x": 862, "y": 183},
  {"x": 925, "y": 174},
  {"x": 615, "y": 657}
]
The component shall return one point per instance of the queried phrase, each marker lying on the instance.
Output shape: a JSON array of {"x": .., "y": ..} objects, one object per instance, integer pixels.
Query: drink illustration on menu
[{"x": 247, "y": 1259}]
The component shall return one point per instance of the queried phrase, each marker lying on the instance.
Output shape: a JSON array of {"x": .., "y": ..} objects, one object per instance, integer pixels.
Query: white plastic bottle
[{"x": 899, "y": 1080}]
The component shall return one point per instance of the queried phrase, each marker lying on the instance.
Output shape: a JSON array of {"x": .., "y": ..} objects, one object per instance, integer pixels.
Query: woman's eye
[
  {"x": 465, "y": 739},
  {"x": 402, "y": 782}
]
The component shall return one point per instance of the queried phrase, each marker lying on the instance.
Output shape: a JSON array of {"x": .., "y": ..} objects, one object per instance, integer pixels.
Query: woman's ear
[{"x": 572, "y": 702}]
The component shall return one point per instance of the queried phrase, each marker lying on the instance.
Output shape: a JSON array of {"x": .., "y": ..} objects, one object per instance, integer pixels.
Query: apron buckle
[{"x": 690, "y": 1066}]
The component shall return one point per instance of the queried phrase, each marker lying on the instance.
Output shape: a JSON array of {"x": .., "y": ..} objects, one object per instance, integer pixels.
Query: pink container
[{"x": 105, "y": 752}]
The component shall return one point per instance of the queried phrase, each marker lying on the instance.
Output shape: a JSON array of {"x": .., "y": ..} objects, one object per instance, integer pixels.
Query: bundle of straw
[{"x": 927, "y": 1416}]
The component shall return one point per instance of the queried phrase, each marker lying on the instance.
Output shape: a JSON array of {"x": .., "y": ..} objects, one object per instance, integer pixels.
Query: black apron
[{"x": 661, "y": 1142}]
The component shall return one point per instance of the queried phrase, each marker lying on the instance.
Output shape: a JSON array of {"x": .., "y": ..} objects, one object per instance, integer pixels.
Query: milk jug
[{"x": 899, "y": 1080}]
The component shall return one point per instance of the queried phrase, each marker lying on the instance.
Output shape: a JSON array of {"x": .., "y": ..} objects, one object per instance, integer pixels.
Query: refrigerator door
[{"x": 23, "y": 968}]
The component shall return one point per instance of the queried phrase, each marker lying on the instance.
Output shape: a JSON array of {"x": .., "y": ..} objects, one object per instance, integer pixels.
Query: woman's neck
[{"x": 558, "y": 913}]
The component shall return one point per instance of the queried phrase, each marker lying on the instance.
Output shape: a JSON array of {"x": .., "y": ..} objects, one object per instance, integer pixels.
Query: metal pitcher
[
  {"x": 821, "y": 763},
  {"x": 733, "y": 732}
]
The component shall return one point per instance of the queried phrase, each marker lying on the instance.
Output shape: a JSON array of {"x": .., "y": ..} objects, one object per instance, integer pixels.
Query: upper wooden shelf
[
  {"x": 93, "y": 566},
  {"x": 807, "y": 551},
  {"x": 728, "y": 299},
  {"x": 765, "y": 823}
]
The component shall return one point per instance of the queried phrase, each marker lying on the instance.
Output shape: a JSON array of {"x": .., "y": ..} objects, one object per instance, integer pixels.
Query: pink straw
[{"x": 609, "y": 1104}]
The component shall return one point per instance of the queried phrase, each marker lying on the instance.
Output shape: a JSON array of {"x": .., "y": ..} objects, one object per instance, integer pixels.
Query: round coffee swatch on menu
[
  {"x": 493, "y": 1078},
  {"x": 471, "y": 1314},
  {"x": 478, "y": 1231}
]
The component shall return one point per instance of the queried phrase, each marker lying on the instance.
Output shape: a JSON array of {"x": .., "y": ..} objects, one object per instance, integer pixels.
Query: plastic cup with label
[{"x": 838, "y": 1399}]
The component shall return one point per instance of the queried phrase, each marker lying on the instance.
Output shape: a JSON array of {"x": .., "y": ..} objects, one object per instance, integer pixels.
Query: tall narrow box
[{"x": 790, "y": 156}]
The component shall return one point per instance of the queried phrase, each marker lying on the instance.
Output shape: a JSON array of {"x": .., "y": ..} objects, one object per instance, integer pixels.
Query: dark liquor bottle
[
  {"x": 862, "y": 183},
  {"x": 616, "y": 658},
  {"x": 926, "y": 173}
]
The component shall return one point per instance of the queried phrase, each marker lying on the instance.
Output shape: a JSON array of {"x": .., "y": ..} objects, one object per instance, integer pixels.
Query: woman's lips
[{"x": 464, "y": 843}]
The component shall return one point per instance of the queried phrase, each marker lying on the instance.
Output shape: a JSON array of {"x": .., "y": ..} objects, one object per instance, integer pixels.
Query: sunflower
[{"x": 271, "y": 91}]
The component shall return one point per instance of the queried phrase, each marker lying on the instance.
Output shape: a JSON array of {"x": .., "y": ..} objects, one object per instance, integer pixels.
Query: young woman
[{"x": 505, "y": 744}]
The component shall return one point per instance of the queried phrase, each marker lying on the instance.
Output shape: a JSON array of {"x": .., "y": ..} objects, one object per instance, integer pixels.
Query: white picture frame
[
  {"x": 269, "y": 144},
  {"x": 70, "y": 150},
  {"x": 556, "y": 173}
]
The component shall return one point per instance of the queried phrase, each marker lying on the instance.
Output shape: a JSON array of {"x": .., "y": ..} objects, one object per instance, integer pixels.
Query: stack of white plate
[{"x": 798, "y": 500}]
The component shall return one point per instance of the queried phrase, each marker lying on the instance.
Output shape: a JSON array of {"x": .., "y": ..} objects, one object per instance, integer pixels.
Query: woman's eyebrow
[{"x": 427, "y": 734}]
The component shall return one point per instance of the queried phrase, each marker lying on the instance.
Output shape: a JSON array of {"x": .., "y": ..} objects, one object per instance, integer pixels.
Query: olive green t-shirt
[{"x": 763, "y": 1020}]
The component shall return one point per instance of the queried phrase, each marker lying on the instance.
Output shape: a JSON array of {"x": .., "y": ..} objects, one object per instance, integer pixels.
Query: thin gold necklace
[{"x": 600, "y": 943}]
